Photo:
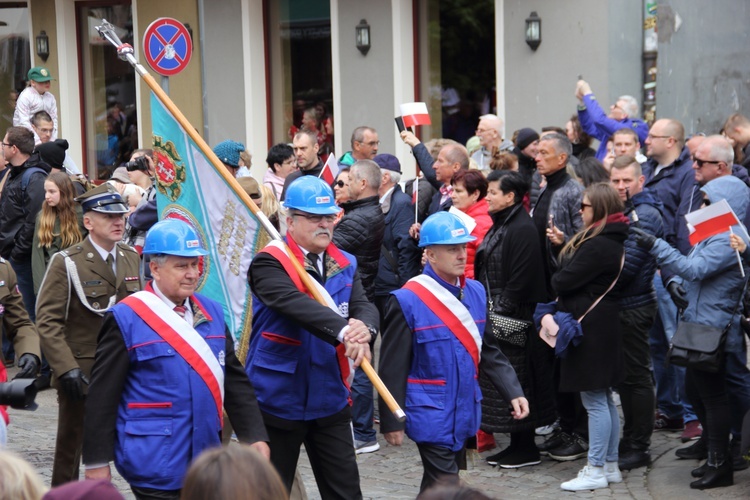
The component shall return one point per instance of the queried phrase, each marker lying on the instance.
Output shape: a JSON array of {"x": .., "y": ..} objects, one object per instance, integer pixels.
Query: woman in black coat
[
  {"x": 589, "y": 264},
  {"x": 509, "y": 263}
]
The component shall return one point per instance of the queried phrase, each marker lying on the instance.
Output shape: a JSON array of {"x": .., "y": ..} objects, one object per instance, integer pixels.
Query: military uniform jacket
[
  {"x": 68, "y": 329},
  {"x": 18, "y": 327}
]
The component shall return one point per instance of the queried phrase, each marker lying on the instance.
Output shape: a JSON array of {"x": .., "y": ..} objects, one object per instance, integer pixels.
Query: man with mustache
[
  {"x": 298, "y": 349},
  {"x": 80, "y": 284}
]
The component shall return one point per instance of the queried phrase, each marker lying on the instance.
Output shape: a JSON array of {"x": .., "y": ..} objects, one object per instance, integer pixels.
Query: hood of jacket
[{"x": 729, "y": 188}]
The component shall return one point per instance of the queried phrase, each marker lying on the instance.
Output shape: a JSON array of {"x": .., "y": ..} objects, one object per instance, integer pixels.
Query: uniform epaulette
[
  {"x": 75, "y": 249},
  {"x": 2, "y": 261},
  {"x": 124, "y": 246}
]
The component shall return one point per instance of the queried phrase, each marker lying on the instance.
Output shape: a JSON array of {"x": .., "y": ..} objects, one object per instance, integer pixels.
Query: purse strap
[
  {"x": 596, "y": 302},
  {"x": 737, "y": 305}
]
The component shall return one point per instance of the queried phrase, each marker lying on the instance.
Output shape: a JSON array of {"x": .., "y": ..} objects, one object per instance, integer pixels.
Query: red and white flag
[
  {"x": 330, "y": 169},
  {"x": 415, "y": 113},
  {"x": 714, "y": 219}
]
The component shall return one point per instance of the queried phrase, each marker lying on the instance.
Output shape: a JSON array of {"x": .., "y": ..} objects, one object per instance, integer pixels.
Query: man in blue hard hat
[
  {"x": 165, "y": 370},
  {"x": 432, "y": 351},
  {"x": 297, "y": 359}
]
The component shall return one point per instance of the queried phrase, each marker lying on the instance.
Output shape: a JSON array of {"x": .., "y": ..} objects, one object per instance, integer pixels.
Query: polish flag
[
  {"x": 330, "y": 169},
  {"x": 714, "y": 219},
  {"x": 415, "y": 113}
]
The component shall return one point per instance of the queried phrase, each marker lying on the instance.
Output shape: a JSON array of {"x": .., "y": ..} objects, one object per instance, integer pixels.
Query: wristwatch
[{"x": 373, "y": 332}]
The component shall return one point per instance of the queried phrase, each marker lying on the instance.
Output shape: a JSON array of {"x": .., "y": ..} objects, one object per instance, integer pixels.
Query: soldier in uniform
[
  {"x": 20, "y": 330},
  {"x": 80, "y": 285}
]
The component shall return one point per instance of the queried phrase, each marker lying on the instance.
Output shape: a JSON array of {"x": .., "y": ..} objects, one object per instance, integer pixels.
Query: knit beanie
[
  {"x": 229, "y": 152},
  {"x": 525, "y": 137},
  {"x": 53, "y": 152}
]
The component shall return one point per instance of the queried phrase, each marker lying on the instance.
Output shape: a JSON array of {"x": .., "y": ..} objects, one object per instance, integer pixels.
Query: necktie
[
  {"x": 180, "y": 310},
  {"x": 111, "y": 262},
  {"x": 314, "y": 258},
  {"x": 445, "y": 193}
]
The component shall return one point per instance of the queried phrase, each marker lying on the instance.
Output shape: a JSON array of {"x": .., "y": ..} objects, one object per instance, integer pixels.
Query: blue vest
[
  {"x": 442, "y": 390},
  {"x": 167, "y": 416},
  {"x": 295, "y": 374}
]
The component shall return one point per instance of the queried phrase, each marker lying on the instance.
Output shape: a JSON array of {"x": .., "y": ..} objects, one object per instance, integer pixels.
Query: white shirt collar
[
  {"x": 172, "y": 305},
  {"x": 320, "y": 259},
  {"x": 102, "y": 252},
  {"x": 387, "y": 194}
]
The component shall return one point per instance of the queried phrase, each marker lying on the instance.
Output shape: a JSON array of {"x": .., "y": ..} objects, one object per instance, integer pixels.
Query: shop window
[
  {"x": 456, "y": 65},
  {"x": 15, "y": 58},
  {"x": 107, "y": 89},
  {"x": 301, "y": 90}
]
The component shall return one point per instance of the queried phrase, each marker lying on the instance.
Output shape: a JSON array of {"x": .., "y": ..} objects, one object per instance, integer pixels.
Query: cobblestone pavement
[{"x": 395, "y": 472}]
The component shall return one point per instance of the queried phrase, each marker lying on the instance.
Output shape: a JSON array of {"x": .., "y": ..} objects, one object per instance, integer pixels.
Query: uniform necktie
[
  {"x": 314, "y": 258},
  {"x": 111, "y": 262},
  {"x": 180, "y": 310}
]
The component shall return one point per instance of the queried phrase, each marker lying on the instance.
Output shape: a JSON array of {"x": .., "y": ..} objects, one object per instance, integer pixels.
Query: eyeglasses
[
  {"x": 652, "y": 136},
  {"x": 340, "y": 184},
  {"x": 7, "y": 145},
  {"x": 700, "y": 162},
  {"x": 584, "y": 205},
  {"x": 372, "y": 144},
  {"x": 255, "y": 196},
  {"x": 482, "y": 130},
  {"x": 317, "y": 219}
]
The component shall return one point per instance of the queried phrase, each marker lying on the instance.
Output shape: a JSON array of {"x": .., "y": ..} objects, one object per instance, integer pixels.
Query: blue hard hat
[
  {"x": 444, "y": 228},
  {"x": 173, "y": 237},
  {"x": 312, "y": 195}
]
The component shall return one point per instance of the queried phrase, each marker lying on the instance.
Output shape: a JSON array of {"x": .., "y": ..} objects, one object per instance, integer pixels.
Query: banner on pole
[{"x": 190, "y": 189}]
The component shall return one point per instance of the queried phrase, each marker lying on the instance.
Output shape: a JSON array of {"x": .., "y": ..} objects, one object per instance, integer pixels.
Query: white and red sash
[
  {"x": 450, "y": 311},
  {"x": 278, "y": 250},
  {"x": 185, "y": 340}
]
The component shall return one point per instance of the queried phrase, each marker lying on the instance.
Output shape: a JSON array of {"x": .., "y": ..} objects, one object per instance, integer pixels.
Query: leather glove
[
  {"x": 72, "y": 384},
  {"x": 678, "y": 294},
  {"x": 29, "y": 365},
  {"x": 642, "y": 238}
]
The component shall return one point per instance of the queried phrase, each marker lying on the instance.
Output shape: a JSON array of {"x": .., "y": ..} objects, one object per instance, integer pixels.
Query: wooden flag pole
[{"x": 126, "y": 53}]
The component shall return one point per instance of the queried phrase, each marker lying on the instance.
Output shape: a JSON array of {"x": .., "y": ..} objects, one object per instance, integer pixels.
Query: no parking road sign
[{"x": 167, "y": 46}]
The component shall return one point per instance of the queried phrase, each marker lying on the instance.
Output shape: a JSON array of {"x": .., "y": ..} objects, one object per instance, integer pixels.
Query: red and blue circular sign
[{"x": 167, "y": 46}]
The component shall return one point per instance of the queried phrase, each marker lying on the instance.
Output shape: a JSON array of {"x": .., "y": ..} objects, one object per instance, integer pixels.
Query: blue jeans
[
  {"x": 671, "y": 400},
  {"x": 738, "y": 388},
  {"x": 604, "y": 426},
  {"x": 362, "y": 407}
]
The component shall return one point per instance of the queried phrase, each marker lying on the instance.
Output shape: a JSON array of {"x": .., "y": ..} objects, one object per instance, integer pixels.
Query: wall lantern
[
  {"x": 533, "y": 30},
  {"x": 363, "y": 37},
  {"x": 42, "y": 45}
]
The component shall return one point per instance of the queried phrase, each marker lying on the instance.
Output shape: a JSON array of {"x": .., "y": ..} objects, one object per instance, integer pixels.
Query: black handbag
[
  {"x": 504, "y": 328},
  {"x": 700, "y": 347}
]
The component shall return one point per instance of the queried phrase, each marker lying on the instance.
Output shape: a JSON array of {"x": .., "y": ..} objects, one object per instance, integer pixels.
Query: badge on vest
[
  {"x": 344, "y": 309},
  {"x": 221, "y": 358},
  {"x": 2, "y": 309}
]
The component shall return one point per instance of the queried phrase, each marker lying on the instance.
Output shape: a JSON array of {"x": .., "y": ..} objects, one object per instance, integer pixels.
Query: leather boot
[
  {"x": 700, "y": 471},
  {"x": 718, "y": 473}
]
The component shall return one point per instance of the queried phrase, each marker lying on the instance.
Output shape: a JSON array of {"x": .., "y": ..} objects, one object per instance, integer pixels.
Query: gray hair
[
  {"x": 721, "y": 150},
  {"x": 561, "y": 142},
  {"x": 495, "y": 122},
  {"x": 395, "y": 176},
  {"x": 367, "y": 170},
  {"x": 358, "y": 135},
  {"x": 631, "y": 105},
  {"x": 159, "y": 259}
]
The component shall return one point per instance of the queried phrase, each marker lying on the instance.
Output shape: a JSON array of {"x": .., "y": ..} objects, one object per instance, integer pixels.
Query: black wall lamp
[
  {"x": 363, "y": 37},
  {"x": 42, "y": 45},
  {"x": 533, "y": 30}
]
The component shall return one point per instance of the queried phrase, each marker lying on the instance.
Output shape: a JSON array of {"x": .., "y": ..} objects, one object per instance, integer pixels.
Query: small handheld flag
[{"x": 415, "y": 113}]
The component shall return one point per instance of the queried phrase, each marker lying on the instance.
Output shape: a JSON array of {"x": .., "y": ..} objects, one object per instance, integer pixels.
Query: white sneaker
[
  {"x": 612, "y": 472},
  {"x": 589, "y": 478}
]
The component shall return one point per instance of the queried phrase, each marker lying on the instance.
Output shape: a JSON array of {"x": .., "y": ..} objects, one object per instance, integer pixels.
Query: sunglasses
[
  {"x": 340, "y": 184},
  {"x": 700, "y": 162},
  {"x": 584, "y": 205},
  {"x": 317, "y": 219}
]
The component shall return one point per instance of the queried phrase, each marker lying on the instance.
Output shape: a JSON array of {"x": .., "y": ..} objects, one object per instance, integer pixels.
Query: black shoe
[
  {"x": 634, "y": 459},
  {"x": 554, "y": 440},
  {"x": 493, "y": 459},
  {"x": 574, "y": 448},
  {"x": 700, "y": 471},
  {"x": 519, "y": 458},
  {"x": 42, "y": 382},
  {"x": 738, "y": 461},
  {"x": 715, "y": 477},
  {"x": 696, "y": 451}
]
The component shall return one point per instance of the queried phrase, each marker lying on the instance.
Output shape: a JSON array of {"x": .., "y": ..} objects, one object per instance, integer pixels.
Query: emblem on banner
[{"x": 170, "y": 171}]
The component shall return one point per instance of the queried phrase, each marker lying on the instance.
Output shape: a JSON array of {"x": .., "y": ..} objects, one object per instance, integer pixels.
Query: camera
[
  {"x": 19, "y": 394},
  {"x": 140, "y": 163}
]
